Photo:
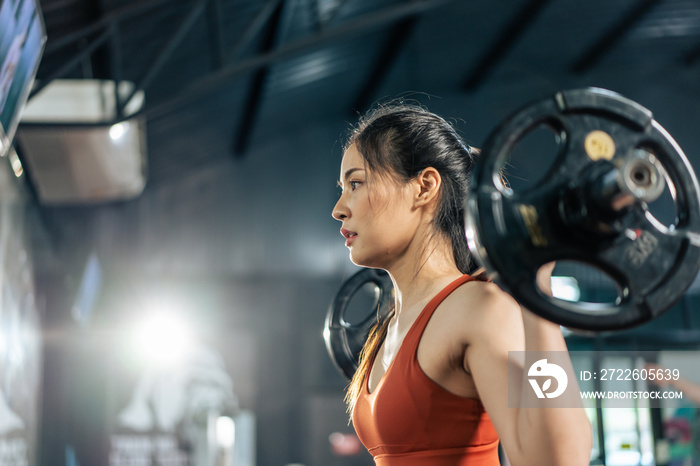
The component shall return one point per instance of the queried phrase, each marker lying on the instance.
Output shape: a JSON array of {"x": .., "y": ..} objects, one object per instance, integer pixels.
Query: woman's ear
[{"x": 428, "y": 184}]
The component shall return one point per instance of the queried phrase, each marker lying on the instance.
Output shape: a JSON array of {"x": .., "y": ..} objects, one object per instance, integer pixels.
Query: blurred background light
[
  {"x": 566, "y": 288},
  {"x": 345, "y": 444},
  {"x": 16, "y": 164},
  {"x": 117, "y": 130},
  {"x": 225, "y": 431},
  {"x": 163, "y": 338}
]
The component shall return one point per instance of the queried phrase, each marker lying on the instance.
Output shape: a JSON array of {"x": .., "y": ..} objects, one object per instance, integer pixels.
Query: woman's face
[{"x": 379, "y": 219}]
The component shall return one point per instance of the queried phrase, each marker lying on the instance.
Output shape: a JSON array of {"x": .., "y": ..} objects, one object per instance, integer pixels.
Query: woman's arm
[{"x": 531, "y": 436}]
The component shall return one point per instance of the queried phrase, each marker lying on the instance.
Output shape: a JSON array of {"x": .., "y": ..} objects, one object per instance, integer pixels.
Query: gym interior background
[{"x": 209, "y": 228}]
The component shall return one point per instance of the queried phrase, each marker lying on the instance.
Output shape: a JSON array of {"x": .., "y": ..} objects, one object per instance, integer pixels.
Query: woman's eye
[{"x": 355, "y": 184}]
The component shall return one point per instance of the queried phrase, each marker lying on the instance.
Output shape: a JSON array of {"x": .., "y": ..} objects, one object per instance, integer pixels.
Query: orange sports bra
[{"x": 410, "y": 420}]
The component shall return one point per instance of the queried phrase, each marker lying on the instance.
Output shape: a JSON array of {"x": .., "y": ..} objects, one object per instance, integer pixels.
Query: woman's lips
[
  {"x": 350, "y": 240},
  {"x": 349, "y": 236}
]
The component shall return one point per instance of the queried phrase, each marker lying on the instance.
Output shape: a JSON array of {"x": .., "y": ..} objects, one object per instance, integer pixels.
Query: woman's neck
[{"x": 418, "y": 276}]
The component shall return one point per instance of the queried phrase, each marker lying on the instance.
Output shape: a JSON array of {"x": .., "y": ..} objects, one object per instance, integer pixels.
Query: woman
[{"x": 432, "y": 386}]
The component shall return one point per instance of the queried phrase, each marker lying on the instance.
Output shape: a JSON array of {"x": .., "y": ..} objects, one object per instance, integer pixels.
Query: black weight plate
[
  {"x": 344, "y": 339},
  {"x": 513, "y": 234}
]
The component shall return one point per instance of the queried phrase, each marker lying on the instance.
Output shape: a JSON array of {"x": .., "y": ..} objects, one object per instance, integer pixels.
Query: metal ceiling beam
[
  {"x": 167, "y": 50},
  {"x": 612, "y": 36},
  {"x": 103, "y": 23},
  {"x": 515, "y": 28},
  {"x": 253, "y": 29},
  {"x": 257, "y": 86},
  {"x": 100, "y": 62},
  {"x": 109, "y": 27},
  {"x": 336, "y": 11},
  {"x": 115, "y": 67},
  {"x": 72, "y": 62},
  {"x": 398, "y": 37},
  {"x": 358, "y": 26},
  {"x": 215, "y": 31}
]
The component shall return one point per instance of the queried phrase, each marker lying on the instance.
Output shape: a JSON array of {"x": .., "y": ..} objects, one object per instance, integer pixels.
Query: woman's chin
[
  {"x": 357, "y": 259},
  {"x": 364, "y": 261}
]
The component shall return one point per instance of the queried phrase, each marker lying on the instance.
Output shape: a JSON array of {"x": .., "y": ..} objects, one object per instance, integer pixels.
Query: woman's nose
[{"x": 339, "y": 211}]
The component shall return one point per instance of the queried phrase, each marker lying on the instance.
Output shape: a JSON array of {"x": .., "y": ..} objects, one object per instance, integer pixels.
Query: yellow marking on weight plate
[
  {"x": 531, "y": 219},
  {"x": 599, "y": 145}
]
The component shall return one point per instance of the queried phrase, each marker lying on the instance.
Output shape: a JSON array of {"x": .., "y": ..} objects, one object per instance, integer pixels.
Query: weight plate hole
[
  {"x": 532, "y": 158},
  {"x": 665, "y": 207},
  {"x": 578, "y": 282},
  {"x": 362, "y": 304},
  {"x": 641, "y": 176}
]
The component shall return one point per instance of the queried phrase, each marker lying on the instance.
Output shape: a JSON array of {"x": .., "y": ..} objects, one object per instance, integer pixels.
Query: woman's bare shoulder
[
  {"x": 479, "y": 308},
  {"x": 477, "y": 296}
]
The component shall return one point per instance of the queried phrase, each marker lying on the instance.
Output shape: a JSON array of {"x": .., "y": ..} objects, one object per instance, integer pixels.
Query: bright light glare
[
  {"x": 566, "y": 288},
  {"x": 225, "y": 431},
  {"x": 117, "y": 130},
  {"x": 164, "y": 338},
  {"x": 16, "y": 163}
]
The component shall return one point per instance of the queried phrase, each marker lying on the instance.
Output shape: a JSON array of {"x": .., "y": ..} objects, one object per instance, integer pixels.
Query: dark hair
[{"x": 400, "y": 141}]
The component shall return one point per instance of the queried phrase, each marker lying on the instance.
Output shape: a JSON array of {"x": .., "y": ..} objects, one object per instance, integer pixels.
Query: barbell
[{"x": 590, "y": 207}]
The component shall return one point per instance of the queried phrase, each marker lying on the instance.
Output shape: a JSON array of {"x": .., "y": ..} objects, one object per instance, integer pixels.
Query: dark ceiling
[{"x": 247, "y": 102}]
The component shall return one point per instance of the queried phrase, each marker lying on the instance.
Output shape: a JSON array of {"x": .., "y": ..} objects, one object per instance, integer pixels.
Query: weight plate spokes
[
  {"x": 344, "y": 336},
  {"x": 591, "y": 207}
]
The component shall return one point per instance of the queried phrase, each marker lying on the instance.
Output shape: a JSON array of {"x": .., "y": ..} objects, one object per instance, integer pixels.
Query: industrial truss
[{"x": 232, "y": 62}]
